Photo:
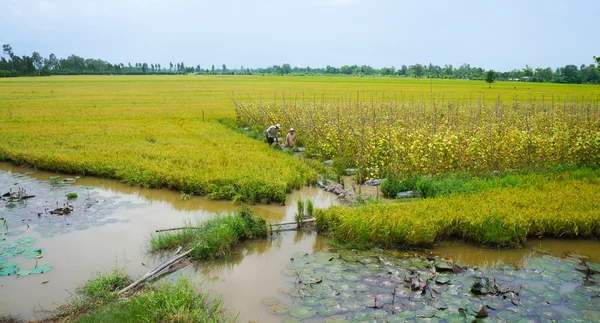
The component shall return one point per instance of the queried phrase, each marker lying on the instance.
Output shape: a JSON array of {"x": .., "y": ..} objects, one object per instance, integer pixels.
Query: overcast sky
[{"x": 493, "y": 34}]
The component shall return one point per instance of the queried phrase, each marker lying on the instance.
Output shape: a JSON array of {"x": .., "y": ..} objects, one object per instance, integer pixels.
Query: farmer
[
  {"x": 271, "y": 133},
  {"x": 290, "y": 139}
]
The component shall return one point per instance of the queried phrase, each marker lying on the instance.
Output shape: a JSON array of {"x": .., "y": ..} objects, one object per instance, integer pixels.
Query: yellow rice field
[{"x": 164, "y": 131}]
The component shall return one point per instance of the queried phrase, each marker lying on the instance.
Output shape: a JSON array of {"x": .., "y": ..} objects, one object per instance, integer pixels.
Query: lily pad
[
  {"x": 7, "y": 271},
  {"x": 329, "y": 302},
  {"x": 593, "y": 316},
  {"x": 571, "y": 276},
  {"x": 279, "y": 309},
  {"x": 270, "y": 301},
  {"x": 327, "y": 310},
  {"x": 289, "y": 272},
  {"x": 303, "y": 312},
  {"x": 548, "y": 313},
  {"x": 336, "y": 319},
  {"x": 41, "y": 269},
  {"x": 24, "y": 272},
  {"x": 594, "y": 268},
  {"x": 28, "y": 241},
  {"x": 379, "y": 314},
  {"x": 310, "y": 301},
  {"x": 353, "y": 305},
  {"x": 291, "y": 320},
  {"x": 592, "y": 290}
]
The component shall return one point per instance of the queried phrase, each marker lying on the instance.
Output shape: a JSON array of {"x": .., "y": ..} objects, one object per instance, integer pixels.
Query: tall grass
[
  {"x": 214, "y": 238},
  {"x": 176, "y": 302},
  {"x": 497, "y": 217}
]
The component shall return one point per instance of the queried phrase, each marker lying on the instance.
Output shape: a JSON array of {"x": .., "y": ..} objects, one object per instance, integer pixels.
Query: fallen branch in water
[
  {"x": 155, "y": 271},
  {"x": 180, "y": 228}
]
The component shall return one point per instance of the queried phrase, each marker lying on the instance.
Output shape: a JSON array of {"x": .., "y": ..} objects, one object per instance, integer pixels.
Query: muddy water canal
[{"x": 291, "y": 277}]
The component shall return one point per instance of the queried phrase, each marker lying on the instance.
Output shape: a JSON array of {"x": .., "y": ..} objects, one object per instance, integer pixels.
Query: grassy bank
[
  {"x": 497, "y": 217},
  {"x": 177, "y": 302},
  {"x": 446, "y": 184},
  {"x": 214, "y": 238}
]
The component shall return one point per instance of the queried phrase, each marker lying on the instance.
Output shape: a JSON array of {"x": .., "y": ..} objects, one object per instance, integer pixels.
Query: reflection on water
[
  {"x": 77, "y": 255},
  {"x": 271, "y": 212},
  {"x": 473, "y": 255}
]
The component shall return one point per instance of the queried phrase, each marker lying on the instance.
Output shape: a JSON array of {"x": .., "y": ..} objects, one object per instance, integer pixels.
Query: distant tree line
[{"x": 36, "y": 65}]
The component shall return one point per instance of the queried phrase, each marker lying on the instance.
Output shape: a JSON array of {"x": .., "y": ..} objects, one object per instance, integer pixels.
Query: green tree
[
  {"x": 597, "y": 61},
  {"x": 224, "y": 68},
  {"x": 490, "y": 76},
  {"x": 38, "y": 62},
  {"x": 7, "y": 49}
]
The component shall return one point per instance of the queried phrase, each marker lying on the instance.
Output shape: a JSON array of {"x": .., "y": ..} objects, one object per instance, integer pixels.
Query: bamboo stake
[
  {"x": 154, "y": 272},
  {"x": 293, "y": 222}
]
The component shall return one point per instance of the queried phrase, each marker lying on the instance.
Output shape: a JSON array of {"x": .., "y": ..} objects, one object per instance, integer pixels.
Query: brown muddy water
[{"x": 117, "y": 238}]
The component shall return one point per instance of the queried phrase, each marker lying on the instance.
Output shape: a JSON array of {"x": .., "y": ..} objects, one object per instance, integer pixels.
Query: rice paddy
[
  {"x": 498, "y": 217},
  {"x": 164, "y": 131}
]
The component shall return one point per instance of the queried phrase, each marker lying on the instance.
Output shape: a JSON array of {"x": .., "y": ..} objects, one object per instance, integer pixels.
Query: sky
[{"x": 492, "y": 34}]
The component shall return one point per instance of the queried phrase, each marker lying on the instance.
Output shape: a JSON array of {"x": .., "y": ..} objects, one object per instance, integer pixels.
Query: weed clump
[{"x": 216, "y": 237}]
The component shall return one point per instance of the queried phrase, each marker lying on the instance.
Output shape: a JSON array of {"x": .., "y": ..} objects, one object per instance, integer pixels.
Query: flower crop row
[{"x": 431, "y": 136}]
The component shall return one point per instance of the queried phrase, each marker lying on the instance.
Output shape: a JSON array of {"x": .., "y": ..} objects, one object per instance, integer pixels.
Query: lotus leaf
[
  {"x": 279, "y": 309},
  {"x": 353, "y": 305},
  {"x": 7, "y": 271},
  {"x": 427, "y": 311},
  {"x": 325, "y": 257},
  {"x": 336, "y": 319},
  {"x": 594, "y": 268},
  {"x": 571, "y": 276},
  {"x": 351, "y": 276},
  {"x": 28, "y": 241},
  {"x": 329, "y": 293},
  {"x": 334, "y": 276},
  {"x": 592, "y": 290},
  {"x": 362, "y": 317},
  {"x": 291, "y": 320},
  {"x": 271, "y": 301},
  {"x": 327, "y": 310},
  {"x": 303, "y": 312},
  {"x": 428, "y": 320},
  {"x": 548, "y": 313},
  {"x": 379, "y": 314},
  {"x": 331, "y": 302},
  {"x": 443, "y": 266},
  {"x": 442, "y": 279},
  {"x": 344, "y": 286},
  {"x": 289, "y": 272},
  {"x": 41, "y": 269},
  {"x": 23, "y": 272},
  {"x": 552, "y": 297},
  {"x": 366, "y": 272},
  {"x": 400, "y": 317},
  {"x": 310, "y": 301},
  {"x": 591, "y": 315}
]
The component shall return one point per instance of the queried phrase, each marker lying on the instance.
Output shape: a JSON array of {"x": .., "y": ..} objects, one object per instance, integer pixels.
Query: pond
[{"x": 109, "y": 229}]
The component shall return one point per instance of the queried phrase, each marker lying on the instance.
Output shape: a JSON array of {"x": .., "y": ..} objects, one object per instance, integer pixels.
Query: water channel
[{"x": 111, "y": 222}]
